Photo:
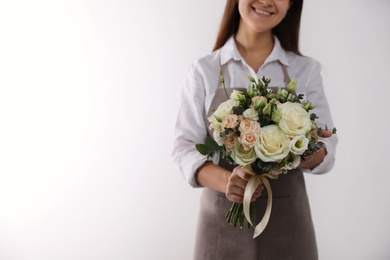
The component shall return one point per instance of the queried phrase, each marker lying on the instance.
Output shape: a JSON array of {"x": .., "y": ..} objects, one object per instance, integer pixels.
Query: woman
[{"x": 256, "y": 38}]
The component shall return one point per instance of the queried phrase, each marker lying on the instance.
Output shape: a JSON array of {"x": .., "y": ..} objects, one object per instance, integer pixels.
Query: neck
[
  {"x": 254, "y": 47},
  {"x": 255, "y": 43}
]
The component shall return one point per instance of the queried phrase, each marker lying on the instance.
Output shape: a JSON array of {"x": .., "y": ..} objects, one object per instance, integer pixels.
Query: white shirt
[{"x": 203, "y": 79}]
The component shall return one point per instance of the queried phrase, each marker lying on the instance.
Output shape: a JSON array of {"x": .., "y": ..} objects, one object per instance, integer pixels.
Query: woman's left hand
[{"x": 311, "y": 161}]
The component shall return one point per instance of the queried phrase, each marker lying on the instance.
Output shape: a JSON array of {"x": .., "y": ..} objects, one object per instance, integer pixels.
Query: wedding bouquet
[{"x": 264, "y": 131}]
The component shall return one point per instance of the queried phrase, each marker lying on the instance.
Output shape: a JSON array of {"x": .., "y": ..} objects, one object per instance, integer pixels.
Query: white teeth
[{"x": 262, "y": 12}]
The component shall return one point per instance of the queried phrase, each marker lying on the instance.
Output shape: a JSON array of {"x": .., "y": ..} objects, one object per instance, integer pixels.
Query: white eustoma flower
[
  {"x": 251, "y": 114},
  {"x": 294, "y": 163},
  {"x": 217, "y": 137},
  {"x": 299, "y": 144}
]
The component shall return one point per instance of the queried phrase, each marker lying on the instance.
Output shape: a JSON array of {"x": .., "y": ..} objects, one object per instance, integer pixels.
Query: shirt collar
[{"x": 230, "y": 52}]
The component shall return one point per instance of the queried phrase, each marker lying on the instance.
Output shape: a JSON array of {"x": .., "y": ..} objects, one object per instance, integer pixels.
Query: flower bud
[
  {"x": 221, "y": 79},
  {"x": 279, "y": 91},
  {"x": 237, "y": 95},
  {"x": 259, "y": 102},
  {"x": 307, "y": 105},
  {"x": 250, "y": 91},
  {"x": 284, "y": 94},
  {"x": 267, "y": 109},
  {"x": 291, "y": 86},
  {"x": 276, "y": 115},
  {"x": 251, "y": 79}
]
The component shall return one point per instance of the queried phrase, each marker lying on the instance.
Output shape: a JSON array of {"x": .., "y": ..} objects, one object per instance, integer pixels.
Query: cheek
[
  {"x": 283, "y": 6},
  {"x": 244, "y": 9}
]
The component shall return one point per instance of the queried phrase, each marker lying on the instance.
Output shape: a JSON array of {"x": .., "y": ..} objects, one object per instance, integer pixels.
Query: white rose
[
  {"x": 273, "y": 144},
  {"x": 251, "y": 114},
  {"x": 298, "y": 145},
  {"x": 224, "y": 109},
  {"x": 241, "y": 156},
  {"x": 294, "y": 119}
]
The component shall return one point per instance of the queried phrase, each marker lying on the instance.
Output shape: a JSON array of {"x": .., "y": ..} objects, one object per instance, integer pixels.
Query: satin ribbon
[{"x": 253, "y": 183}]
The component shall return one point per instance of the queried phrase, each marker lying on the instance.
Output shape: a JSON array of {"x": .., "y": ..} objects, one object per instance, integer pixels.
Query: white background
[{"x": 89, "y": 92}]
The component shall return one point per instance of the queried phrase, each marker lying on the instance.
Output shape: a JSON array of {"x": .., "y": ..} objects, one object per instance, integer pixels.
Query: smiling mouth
[{"x": 261, "y": 11}]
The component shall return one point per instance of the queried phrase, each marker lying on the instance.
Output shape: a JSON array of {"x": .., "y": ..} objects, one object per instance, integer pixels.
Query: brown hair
[{"x": 287, "y": 30}]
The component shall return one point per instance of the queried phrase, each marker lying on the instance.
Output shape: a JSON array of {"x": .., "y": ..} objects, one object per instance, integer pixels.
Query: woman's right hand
[{"x": 236, "y": 186}]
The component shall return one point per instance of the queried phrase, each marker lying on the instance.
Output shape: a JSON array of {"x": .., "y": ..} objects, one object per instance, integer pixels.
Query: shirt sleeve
[
  {"x": 316, "y": 94},
  {"x": 190, "y": 128}
]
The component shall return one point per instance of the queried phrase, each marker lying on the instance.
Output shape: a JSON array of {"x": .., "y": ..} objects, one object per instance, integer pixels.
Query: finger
[
  {"x": 243, "y": 175},
  {"x": 258, "y": 190},
  {"x": 255, "y": 197},
  {"x": 306, "y": 159},
  {"x": 257, "y": 194},
  {"x": 240, "y": 173},
  {"x": 235, "y": 198},
  {"x": 235, "y": 190},
  {"x": 235, "y": 194},
  {"x": 326, "y": 133},
  {"x": 235, "y": 180}
]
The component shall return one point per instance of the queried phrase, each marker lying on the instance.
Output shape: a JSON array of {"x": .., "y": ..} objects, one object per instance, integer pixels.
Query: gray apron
[{"x": 289, "y": 233}]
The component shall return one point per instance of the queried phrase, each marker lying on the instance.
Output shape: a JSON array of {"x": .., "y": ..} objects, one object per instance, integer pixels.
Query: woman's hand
[
  {"x": 236, "y": 186},
  {"x": 311, "y": 161}
]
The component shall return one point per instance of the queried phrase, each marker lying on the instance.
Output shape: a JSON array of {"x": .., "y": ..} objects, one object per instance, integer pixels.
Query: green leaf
[
  {"x": 227, "y": 131},
  {"x": 251, "y": 79},
  {"x": 263, "y": 167},
  {"x": 311, "y": 145},
  {"x": 237, "y": 110},
  {"x": 313, "y": 116},
  {"x": 212, "y": 144},
  {"x": 318, "y": 145},
  {"x": 202, "y": 149},
  {"x": 319, "y": 131}
]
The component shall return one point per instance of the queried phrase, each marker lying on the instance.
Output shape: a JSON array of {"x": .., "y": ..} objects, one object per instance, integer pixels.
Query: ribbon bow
[{"x": 253, "y": 183}]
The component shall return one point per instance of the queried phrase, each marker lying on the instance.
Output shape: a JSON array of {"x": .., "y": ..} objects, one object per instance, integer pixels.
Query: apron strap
[
  {"x": 287, "y": 78},
  {"x": 222, "y": 68}
]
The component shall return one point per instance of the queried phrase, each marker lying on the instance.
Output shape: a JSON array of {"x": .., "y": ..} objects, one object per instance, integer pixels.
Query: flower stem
[{"x": 236, "y": 217}]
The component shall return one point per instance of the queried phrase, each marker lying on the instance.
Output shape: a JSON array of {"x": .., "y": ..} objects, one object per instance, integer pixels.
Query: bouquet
[{"x": 264, "y": 131}]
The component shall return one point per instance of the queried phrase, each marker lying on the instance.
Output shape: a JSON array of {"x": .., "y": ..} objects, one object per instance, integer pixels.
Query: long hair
[{"x": 287, "y": 30}]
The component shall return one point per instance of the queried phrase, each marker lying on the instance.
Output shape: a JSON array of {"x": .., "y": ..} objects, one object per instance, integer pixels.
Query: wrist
[{"x": 213, "y": 176}]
